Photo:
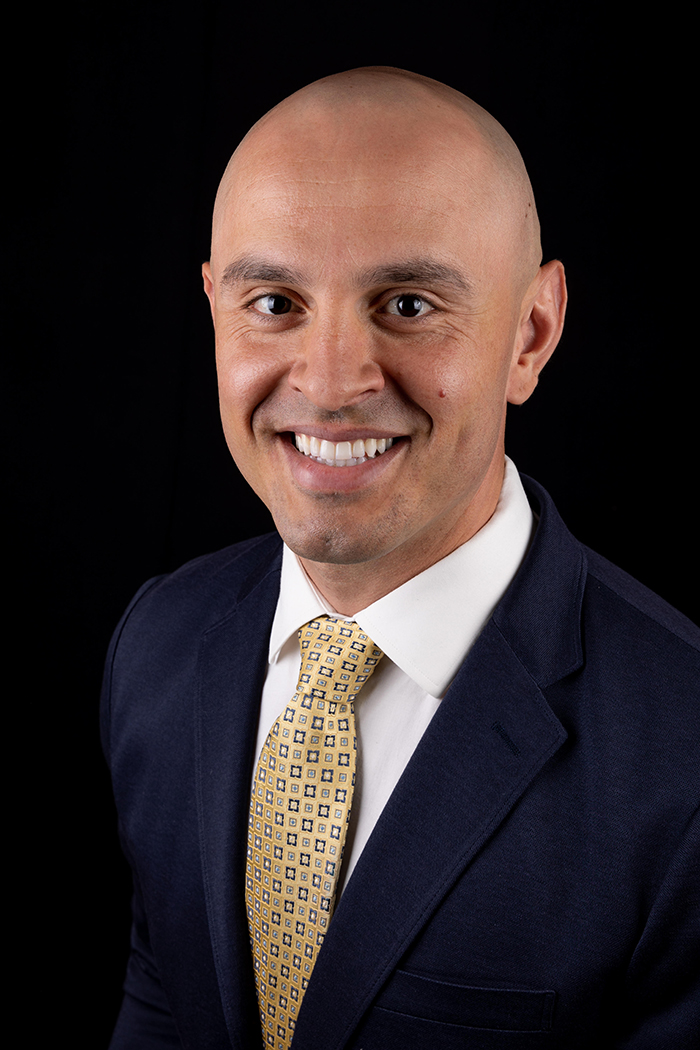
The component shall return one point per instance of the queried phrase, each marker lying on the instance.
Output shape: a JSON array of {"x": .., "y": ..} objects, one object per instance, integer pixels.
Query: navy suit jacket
[{"x": 533, "y": 879}]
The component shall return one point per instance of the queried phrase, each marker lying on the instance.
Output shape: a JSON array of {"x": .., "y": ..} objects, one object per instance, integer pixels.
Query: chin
[
  {"x": 333, "y": 547},
  {"x": 333, "y": 542}
]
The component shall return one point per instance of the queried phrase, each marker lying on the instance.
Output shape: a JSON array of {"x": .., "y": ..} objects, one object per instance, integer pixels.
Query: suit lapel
[{"x": 233, "y": 660}]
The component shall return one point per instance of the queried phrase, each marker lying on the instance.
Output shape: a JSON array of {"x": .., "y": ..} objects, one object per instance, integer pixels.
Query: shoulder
[
  {"x": 204, "y": 590},
  {"x": 618, "y": 666},
  {"x": 169, "y": 614},
  {"x": 153, "y": 656},
  {"x": 641, "y": 664},
  {"x": 571, "y": 611},
  {"x": 605, "y": 591},
  {"x": 627, "y": 601}
]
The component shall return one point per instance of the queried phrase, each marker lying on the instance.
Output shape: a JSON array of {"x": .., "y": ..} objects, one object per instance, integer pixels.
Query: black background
[{"x": 126, "y": 117}]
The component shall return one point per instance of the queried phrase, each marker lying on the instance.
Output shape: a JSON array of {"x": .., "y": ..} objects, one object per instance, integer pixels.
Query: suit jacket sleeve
[
  {"x": 663, "y": 978},
  {"x": 145, "y": 1019}
]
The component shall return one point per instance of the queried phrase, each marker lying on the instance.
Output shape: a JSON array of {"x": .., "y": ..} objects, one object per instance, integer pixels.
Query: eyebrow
[
  {"x": 414, "y": 271},
  {"x": 254, "y": 268},
  {"x": 409, "y": 271}
]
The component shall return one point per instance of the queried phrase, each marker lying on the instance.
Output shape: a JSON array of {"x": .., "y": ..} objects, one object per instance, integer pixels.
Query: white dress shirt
[{"x": 425, "y": 628}]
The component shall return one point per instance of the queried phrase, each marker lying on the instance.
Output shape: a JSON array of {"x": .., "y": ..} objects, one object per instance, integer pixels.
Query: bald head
[{"x": 394, "y": 121}]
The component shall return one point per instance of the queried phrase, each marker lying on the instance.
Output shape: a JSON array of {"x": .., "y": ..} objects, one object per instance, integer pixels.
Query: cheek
[
  {"x": 445, "y": 391},
  {"x": 246, "y": 376},
  {"x": 474, "y": 373},
  {"x": 464, "y": 393},
  {"x": 457, "y": 368},
  {"x": 432, "y": 376}
]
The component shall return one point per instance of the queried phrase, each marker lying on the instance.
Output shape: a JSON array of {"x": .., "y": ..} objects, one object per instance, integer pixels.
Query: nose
[{"x": 335, "y": 366}]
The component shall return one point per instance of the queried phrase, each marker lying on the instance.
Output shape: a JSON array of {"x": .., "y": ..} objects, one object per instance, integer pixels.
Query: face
[{"x": 369, "y": 324}]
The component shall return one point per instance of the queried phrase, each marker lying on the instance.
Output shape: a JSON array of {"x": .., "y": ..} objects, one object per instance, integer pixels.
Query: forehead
[{"x": 371, "y": 185}]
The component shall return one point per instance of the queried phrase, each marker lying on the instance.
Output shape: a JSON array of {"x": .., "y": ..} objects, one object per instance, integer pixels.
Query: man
[{"x": 518, "y": 866}]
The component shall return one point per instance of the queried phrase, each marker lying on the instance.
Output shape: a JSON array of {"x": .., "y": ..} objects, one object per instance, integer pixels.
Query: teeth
[{"x": 342, "y": 453}]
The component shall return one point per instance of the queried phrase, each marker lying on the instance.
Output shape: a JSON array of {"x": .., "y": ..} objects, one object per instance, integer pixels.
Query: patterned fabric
[{"x": 299, "y": 813}]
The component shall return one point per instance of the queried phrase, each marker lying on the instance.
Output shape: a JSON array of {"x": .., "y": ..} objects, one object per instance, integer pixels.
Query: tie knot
[{"x": 332, "y": 645}]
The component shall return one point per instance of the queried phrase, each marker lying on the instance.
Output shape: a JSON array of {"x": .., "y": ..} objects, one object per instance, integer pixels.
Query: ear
[
  {"x": 541, "y": 323},
  {"x": 209, "y": 286}
]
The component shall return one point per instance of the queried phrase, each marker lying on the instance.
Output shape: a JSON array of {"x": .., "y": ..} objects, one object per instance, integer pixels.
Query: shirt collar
[{"x": 428, "y": 624}]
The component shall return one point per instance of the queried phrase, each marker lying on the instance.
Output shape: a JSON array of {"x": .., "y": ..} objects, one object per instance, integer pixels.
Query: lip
[{"x": 309, "y": 474}]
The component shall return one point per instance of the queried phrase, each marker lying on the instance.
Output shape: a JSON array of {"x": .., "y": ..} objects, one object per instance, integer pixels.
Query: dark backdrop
[{"x": 127, "y": 116}]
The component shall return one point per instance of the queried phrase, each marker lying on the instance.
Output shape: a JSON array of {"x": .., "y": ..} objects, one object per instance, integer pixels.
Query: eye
[
  {"x": 273, "y": 305},
  {"x": 408, "y": 306}
]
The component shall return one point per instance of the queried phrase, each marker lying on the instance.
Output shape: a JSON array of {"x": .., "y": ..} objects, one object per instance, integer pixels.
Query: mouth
[{"x": 342, "y": 453}]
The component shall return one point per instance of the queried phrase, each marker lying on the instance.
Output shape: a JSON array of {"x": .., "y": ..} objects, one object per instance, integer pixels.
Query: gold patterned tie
[{"x": 299, "y": 813}]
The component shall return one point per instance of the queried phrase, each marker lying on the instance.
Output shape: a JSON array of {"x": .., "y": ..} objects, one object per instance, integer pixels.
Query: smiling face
[{"x": 372, "y": 319}]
